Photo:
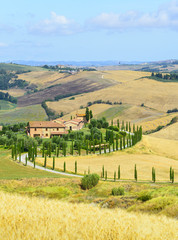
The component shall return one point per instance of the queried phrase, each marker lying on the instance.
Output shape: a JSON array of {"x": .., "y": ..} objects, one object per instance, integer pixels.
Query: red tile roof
[
  {"x": 81, "y": 115},
  {"x": 45, "y": 124}
]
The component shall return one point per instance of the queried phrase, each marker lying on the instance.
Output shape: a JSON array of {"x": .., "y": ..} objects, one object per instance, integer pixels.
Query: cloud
[
  {"x": 165, "y": 17},
  {"x": 3, "y": 44},
  {"x": 56, "y": 25}
]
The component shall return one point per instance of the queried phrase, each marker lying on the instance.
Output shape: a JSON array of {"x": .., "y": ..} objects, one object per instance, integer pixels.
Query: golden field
[
  {"x": 170, "y": 132},
  {"x": 150, "y": 152},
  {"x": 130, "y": 88},
  {"x": 33, "y": 218}
]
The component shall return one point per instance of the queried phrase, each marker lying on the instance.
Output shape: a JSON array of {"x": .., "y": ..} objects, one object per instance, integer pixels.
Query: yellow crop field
[
  {"x": 146, "y": 154},
  {"x": 33, "y": 218},
  {"x": 159, "y": 96},
  {"x": 43, "y": 78},
  {"x": 15, "y": 92},
  {"x": 160, "y": 121},
  {"x": 170, "y": 132}
]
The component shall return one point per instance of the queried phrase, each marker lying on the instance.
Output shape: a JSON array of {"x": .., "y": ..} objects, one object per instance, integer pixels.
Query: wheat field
[{"x": 25, "y": 218}]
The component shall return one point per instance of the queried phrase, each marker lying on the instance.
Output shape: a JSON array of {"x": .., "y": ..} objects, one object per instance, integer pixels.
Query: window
[
  {"x": 71, "y": 128},
  {"x": 57, "y": 129},
  {"x": 35, "y": 129},
  {"x": 46, "y": 129},
  {"x": 46, "y": 135}
]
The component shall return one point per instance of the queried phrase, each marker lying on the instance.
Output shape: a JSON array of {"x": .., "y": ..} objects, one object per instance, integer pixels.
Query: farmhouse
[
  {"x": 75, "y": 124},
  {"x": 45, "y": 129},
  {"x": 81, "y": 117}
]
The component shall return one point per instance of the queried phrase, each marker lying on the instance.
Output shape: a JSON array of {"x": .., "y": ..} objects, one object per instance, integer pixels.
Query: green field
[
  {"x": 112, "y": 112},
  {"x": 5, "y": 105},
  {"x": 12, "y": 170},
  {"x": 24, "y": 114},
  {"x": 18, "y": 67}
]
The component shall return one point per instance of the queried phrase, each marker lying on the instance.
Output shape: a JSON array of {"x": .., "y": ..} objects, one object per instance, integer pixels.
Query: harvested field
[{"x": 170, "y": 132}]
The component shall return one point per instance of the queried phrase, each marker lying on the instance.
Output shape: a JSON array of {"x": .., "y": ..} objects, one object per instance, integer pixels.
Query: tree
[
  {"x": 135, "y": 172},
  {"x": 64, "y": 166},
  {"x": 75, "y": 167},
  {"x": 53, "y": 162},
  {"x": 119, "y": 172},
  {"x": 87, "y": 114},
  {"x": 114, "y": 176},
  {"x": 90, "y": 114}
]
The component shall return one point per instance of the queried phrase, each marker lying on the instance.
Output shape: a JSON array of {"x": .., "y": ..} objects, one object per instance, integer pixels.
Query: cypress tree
[
  {"x": 124, "y": 142},
  {"x": 103, "y": 171},
  {"x": 87, "y": 114},
  {"x": 34, "y": 163},
  {"x": 114, "y": 176},
  {"x": 119, "y": 172},
  {"x": 135, "y": 172},
  {"x": 90, "y": 146},
  {"x": 90, "y": 114},
  {"x": 123, "y": 127},
  {"x": 126, "y": 126},
  {"x": 118, "y": 123},
  {"x": 134, "y": 127},
  {"x": 43, "y": 150},
  {"x": 100, "y": 148},
  {"x": 153, "y": 174},
  {"x": 58, "y": 151},
  {"x": 79, "y": 149},
  {"x": 109, "y": 147},
  {"x": 101, "y": 137},
  {"x": 64, "y": 166},
  {"x": 45, "y": 161},
  {"x": 112, "y": 122},
  {"x": 113, "y": 146},
  {"x": 121, "y": 144},
  {"x": 94, "y": 147},
  {"x": 19, "y": 156},
  {"x": 117, "y": 144},
  {"x": 26, "y": 158},
  {"x": 170, "y": 174},
  {"x": 53, "y": 162},
  {"x": 129, "y": 127},
  {"x": 106, "y": 175},
  {"x": 127, "y": 142},
  {"x": 49, "y": 150},
  {"x": 75, "y": 167},
  {"x": 33, "y": 155},
  {"x": 104, "y": 148},
  {"x": 12, "y": 152}
]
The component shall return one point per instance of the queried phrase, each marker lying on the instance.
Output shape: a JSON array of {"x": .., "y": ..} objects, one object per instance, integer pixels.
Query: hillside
[{"x": 170, "y": 132}]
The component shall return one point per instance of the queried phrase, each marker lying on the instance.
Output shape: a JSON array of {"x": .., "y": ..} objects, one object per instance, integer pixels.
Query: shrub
[
  {"x": 89, "y": 181},
  {"x": 118, "y": 191},
  {"x": 144, "y": 196}
]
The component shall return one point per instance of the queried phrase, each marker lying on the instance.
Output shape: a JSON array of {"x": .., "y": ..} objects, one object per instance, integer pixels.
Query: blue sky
[{"x": 88, "y": 30}]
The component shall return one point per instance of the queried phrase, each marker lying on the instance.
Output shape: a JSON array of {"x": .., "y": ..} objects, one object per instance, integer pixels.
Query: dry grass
[
  {"x": 170, "y": 132},
  {"x": 32, "y": 218},
  {"x": 15, "y": 92},
  {"x": 151, "y": 152},
  {"x": 42, "y": 78},
  {"x": 160, "y": 121},
  {"x": 130, "y": 89}
]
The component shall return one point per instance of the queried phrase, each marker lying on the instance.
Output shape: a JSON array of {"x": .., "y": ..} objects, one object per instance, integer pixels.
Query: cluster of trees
[
  {"x": 98, "y": 123},
  {"x": 8, "y": 80},
  {"x": 103, "y": 102},
  {"x": 172, "y": 110},
  {"x": 171, "y": 76},
  {"x": 49, "y": 112},
  {"x": 7, "y": 97},
  {"x": 65, "y": 96},
  {"x": 89, "y": 114}
]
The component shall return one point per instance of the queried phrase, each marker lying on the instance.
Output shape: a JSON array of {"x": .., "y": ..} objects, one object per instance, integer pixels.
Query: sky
[{"x": 88, "y": 30}]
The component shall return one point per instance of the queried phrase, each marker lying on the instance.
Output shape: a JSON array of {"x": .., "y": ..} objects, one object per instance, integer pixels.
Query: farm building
[
  {"x": 81, "y": 117},
  {"x": 46, "y": 129},
  {"x": 75, "y": 124}
]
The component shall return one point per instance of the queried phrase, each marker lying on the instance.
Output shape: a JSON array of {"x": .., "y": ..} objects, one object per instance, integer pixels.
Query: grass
[
  {"x": 37, "y": 218},
  {"x": 5, "y": 105},
  {"x": 12, "y": 170},
  {"x": 24, "y": 114},
  {"x": 19, "y": 67},
  {"x": 112, "y": 112}
]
